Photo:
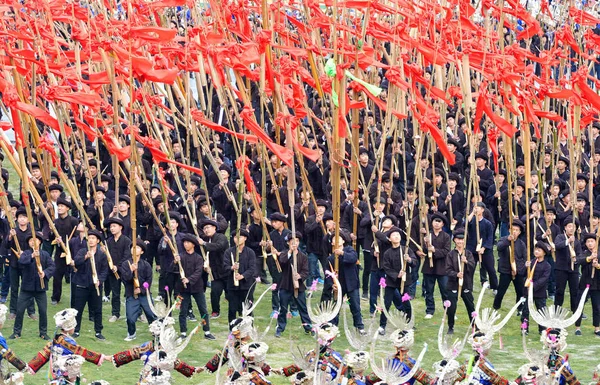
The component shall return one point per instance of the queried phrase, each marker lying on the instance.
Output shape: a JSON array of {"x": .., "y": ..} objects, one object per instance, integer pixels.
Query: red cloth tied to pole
[
  {"x": 286, "y": 156},
  {"x": 242, "y": 165},
  {"x": 114, "y": 147},
  {"x": 158, "y": 156},
  {"x": 199, "y": 117}
]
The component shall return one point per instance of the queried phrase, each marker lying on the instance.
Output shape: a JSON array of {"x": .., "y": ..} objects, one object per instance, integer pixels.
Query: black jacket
[
  {"x": 563, "y": 253},
  {"x": 452, "y": 268},
  {"x": 247, "y": 262},
  {"x": 285, "y": 261},
  {"x": 442, "y": 244},
  {"x": 193, "y": 266},
  {"x": 83, "y": 275},
  {"x": 30, "y": 280},
  {"x": 541, "y": 275},
  {"x": 348, "y": 270},
  {"x": 520, "y": 253},
  {"x": 144, "y": 276},
  {"x": 216, "y": 246},
  {"x": 392, "y": 265}
]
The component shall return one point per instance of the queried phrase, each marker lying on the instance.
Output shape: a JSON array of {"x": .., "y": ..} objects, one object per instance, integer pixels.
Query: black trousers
[
  {"x": 25, "y": 298},
  {"x": 260, "y": 268},
  {"x": 540, "y": 303},
  {"x": 276, "y": 275},
  {"x": 562, "y": 279},
  {"x": 151, "y": 252},
  {"x": 88, "y": 296},
  {"x": 186, "y": 303},
  {"x": 167, "y": 279},
  {"x": 217, "y": 287},
  {"x": 115, "y": 289},
  {"x": 488, "y": 268},
  {"x": 429, "y": 281},
  {"x": 392, "y": 295},
  {"x": 505, "y": 280},
  {"x": 594, "y": 295},
  {"x": 59, "y": 273},
  {"x": 236, "y": 299},
  {"x": 15, "y": 280},
  {"x": 286, "y": 298},
  {"x": 467, "y": 297},
  {"x": 366, "y": 273}
]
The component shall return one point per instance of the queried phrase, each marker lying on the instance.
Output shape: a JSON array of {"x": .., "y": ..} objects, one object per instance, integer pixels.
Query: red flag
[{"x": 282, "y": 153}]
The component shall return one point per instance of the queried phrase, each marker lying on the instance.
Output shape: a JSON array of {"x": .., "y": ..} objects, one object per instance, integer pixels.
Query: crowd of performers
[{"x": 243, "y": 359}]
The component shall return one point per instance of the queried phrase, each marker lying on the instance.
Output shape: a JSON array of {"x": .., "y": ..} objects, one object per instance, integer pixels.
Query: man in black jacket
[
  {"x": 568, "y": 248},
  {"x": 119, "y": 250},
  {"x": 34, "y": 284},
  {"x": 255, "y": 237},
  {"x": 540, "y": 274},
  {"x": 192, "y": 285},
  {"x": 434, "y": 270},
  {"x": 398, "y": 262},
  {"x": 509, "y": 273},
  {"x": 137, "y": 278},
  {"x": 240, "y": 264},
  {"x": 275, "y": 246},
  {"x": 87, "y": 281},
  {"x": 294, "y": 270},
  {"x": 460, "y": 268},
  {"x": 65, "y": 224},
  {"x": 169, "y": 271},
  {"x": 17, "y": 241},
  {"x": 215, "y": 244}
]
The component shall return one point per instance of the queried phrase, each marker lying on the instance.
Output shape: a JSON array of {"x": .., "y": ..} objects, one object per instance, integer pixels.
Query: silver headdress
[
  {"x": 447, "y": 368},
  {"x": 555, "y": 316},
  {"x": 536, "y": 371},
  {"x": 358, "y": 360},
  {"x": 391, "y": 370},
  {"x": 487, "y": 321},
  {"x": 326, "y": 310},
  {"x": 404, "y": 335},
  {"x": 255, "y": 352},
  {"x": 69, "y": 365},
  {"x": 66, "y": 319},
  {"x": 3, "y": 311}
]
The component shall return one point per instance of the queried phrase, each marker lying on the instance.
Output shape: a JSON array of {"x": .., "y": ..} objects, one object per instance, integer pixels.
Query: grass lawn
[{"x": 583, "y": 351}]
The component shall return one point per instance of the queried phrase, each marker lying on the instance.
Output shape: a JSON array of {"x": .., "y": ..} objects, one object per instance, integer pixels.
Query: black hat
[
  {"x": 187, "y": 237},
  {"x": 288, "y": 237},
  {"x": 35, "y": 165},
  {"x": 518, "y": 222},
  {"x": 95, "y": 233},
  {"x": 156, "y": 201},
  {"x": 439, "y": 216},
  {"x": 392, "y": 230},
  {"x": 502, "y": 171},
  {"x": 392, "y": 218},
  {"x": 54, "y": 174},
  {"x": 93, "y": 162},
  {"x": 155, "y": 186},
  {"x": 551, "y": 209},
  {"x": 21, "y": 211},
  {"x": 278, "y": 217},
  {"x": 583, "y": 177},
  {"x": 564, "y": 193},
  {"x": 14, "y": 203},
  {"x": 200, "y": 193},
  {"x": 345, "y": 236},
  {"x": 520, "y": 163},
  {"x": 582, "y": 197},
  {"x": 381, "y": 200},
  {"x": 327, "y": 217},
  {"x": 175, "y": 215},
  {"x": 596, "y": 214},
  {"x": 386, "y": 177},
  {"x": 225, "y": 167},
  {"x": 64, "y": 202},
  {"x": 100, "y": 188},
  {"x": 362, "y": 150},
  {"x": 587, "y": 236},
  {"x": 105, "y": 178},
  {"x": 543, "y": 246},
  {"x": 55, "y": 187},
  {"x": 243, "y": 233},
  {"x": 481, "y": 155},
  {"x": 481, "y": 204},
  {"x": 38, "y": 235},
  {"x": 564, "y": 159},
  {"x": 410, "y": 188},
  {"x": 322, "y": 202},
  {"x": 124, "y": 198},
  {"x": 570, "y": 219},
  {"x": 250, "y": 209},
  {"x": 115, "y": 220},
  {"x": 90, "y": 149},
  {"x": 207, "y": 222},
  {"x": 459, "y": 233},
  {"x": 454, "y": 176},
  {"x": 195, "y": 180},
  {"x": 520, "y": 183},
  {"x": 453, "y": 142},
  {"x": 440, "y": 172},
  {"x": 139, "y": 242}
]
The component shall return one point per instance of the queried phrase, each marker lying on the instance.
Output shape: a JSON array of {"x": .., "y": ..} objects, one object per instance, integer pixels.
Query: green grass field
[{"x": 583, "y": 351}]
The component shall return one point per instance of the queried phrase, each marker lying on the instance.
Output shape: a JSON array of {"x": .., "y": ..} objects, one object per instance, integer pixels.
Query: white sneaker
[
  {"x": 381, "y": 331},
  {"x": 130, "y": 338},
  {"x": 105, "y": 299},
  {"x": 428, "y": 316},
  {"x": 113, "y": 318}
]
